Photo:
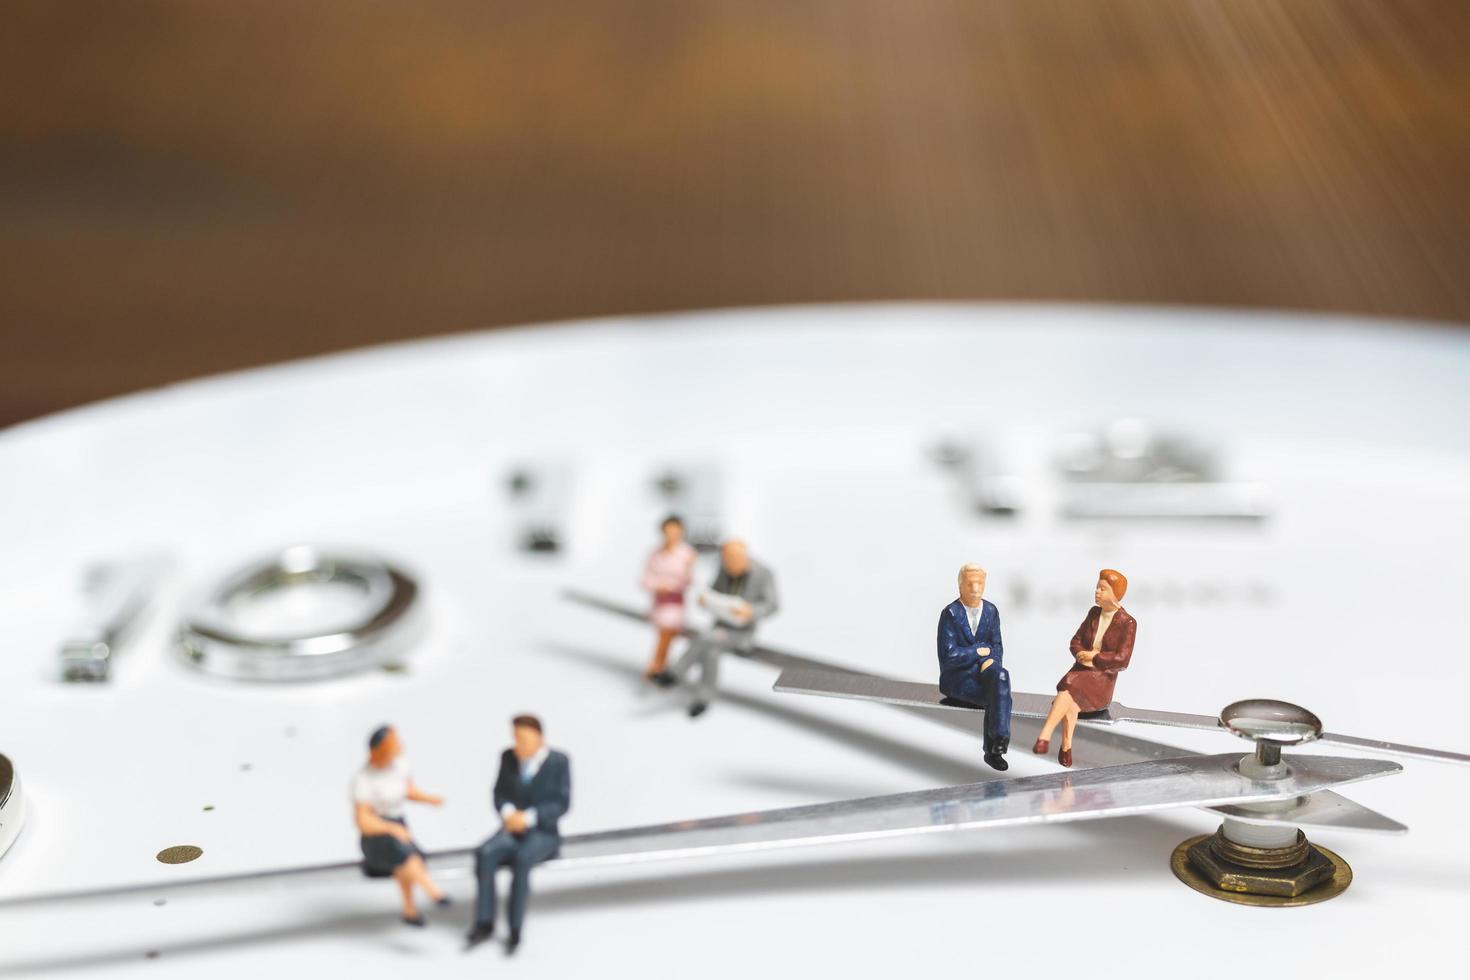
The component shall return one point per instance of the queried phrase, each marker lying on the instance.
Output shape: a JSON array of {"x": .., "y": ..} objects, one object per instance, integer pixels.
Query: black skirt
[{"x": 383, "y": 854}]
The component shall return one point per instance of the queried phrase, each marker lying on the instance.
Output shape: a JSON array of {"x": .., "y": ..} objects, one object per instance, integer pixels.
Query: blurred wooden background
[{"x": 187, "y": 187}]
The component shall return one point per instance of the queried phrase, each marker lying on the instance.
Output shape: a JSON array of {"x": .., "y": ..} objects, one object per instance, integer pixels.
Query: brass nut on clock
[{"x": 1285, "y": 872}]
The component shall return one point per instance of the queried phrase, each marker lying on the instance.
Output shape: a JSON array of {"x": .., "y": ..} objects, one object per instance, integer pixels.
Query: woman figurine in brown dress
[{"x": 1101, "y": 646}]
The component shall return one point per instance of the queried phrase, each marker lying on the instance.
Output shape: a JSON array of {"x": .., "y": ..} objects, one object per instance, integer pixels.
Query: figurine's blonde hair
[{"x": 966, "y": 569}]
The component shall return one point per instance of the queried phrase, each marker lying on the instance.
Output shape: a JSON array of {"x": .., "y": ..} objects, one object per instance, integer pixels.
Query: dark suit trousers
[
  {"x": 521, "y": 854},
  {"x": 996, "y": 685}
]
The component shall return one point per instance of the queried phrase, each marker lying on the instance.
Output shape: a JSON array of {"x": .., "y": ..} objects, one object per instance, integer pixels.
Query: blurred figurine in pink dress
[{"x": 667, "y": 575}]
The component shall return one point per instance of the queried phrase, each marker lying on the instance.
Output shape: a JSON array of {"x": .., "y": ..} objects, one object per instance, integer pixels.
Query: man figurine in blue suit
[
  {"x": 971, "y": 666},
  {"x": 532, "y": 793}
]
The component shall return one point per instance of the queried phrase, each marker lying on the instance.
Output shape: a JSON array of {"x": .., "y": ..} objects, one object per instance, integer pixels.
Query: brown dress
[{"x": 1092, "y": 688}]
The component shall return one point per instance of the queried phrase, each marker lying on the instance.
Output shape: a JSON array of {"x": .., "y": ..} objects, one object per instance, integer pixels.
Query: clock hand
[
  {"x": 616, "y": 608},
  {"x": 1178, "y": 719},
  {"x": 1106, "y": 744},
  {"x": 1111, "y": 791},
  {"x": 1396, "y": 748},
  {"x": 800, "y": 680},
  {"x": 1090, "y": 794}
]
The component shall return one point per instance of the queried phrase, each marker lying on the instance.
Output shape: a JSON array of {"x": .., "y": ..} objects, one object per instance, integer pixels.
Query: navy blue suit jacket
[
  {"x": 549, "y": 791},
  {"x": 959, "y": 660}
]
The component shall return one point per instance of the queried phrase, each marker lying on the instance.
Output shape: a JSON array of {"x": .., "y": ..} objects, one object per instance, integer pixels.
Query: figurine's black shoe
[
  {"x": 481, "y": 932},
  {"x": 444, "y": 902},
  {"x": 697, "y": 708},
  {"x": 416, "y": 920},
  {"x": 513, "y": 943},
  {"x": 996, "y": 761},
  {"x": 664, "y": 679}
]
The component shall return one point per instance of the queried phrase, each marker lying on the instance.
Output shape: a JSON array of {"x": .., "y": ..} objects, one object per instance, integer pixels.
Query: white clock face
[{"x": 812, "y": 434}]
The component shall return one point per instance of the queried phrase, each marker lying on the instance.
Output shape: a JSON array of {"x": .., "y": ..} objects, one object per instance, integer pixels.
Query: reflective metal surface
[
  {"x": 863, "y": 687},
  {"x": 1185, "y": 871},
  {"x": 1320, "y": 811},
  {"x": 1253, "y": 719},
  {"x": 693, "y": 490},
  {"x": 1264, "y": 720},
  {"x": 1100, "y": 744},
  {"x": 1397, "y": 748},
  {"x": 1172, "y": 501},
  {"x": 540, "y": 500},
  {"x": 12, "y": 804},
  {"x": 1125, "y": 470},
  {"x": 1089, "y": 794},
  {"x": 381, "y": 624},
  {"x": 1170, "y": 719},
  {"x": 987, "y": 483},
  {"x": 1129, "y": 471},
  {"x": 1112, "y": 791},
  {"x": 117, "y": 593}
]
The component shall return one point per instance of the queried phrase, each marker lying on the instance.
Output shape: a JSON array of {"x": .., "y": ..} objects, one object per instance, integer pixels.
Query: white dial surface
[{"x": 817, "y": 428}]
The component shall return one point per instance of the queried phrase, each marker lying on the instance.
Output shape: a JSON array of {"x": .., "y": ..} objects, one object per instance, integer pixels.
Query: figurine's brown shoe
[
  {"x": 1042, "y": 746},
  {"x": 1065, "y": 757}
]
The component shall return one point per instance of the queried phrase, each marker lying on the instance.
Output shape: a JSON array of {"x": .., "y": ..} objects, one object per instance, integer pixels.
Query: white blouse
[
  {"x": 382, "y": 789},
  {"x": 1103, "y": 622}
]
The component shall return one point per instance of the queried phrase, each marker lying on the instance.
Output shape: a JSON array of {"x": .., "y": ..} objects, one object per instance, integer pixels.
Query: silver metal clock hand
[
  {"x": 610, "y": 606},
  {"x": 1397, "y": 748},
  {"x": 864, "y": 687},
  {"x": 1172, "y": 719},
  {"x": 1090, "y": 794},
  {"x": 1106, "y": 744},
  {"x": 860, "y": 687},
  {"x": 1111, "y": 791}
]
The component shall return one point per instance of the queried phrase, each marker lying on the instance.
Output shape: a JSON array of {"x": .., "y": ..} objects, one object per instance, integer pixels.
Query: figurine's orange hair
[{"x": 1116, "y": 580}]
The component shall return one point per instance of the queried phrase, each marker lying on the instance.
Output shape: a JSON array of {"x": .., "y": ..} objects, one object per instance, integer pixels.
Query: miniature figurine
[
  {"x": 532, "y": 793},
  {"x": 667, "y": 575},
  {"x": 742, "y": 595},
  {"x": 971, "y": 663},
  {"x": 1102, "y": 646},
  {"x": 388, "y": 850}
]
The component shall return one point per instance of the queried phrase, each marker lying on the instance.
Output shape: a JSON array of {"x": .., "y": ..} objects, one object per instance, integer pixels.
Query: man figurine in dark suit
[
  {"x": 532, "y": 793},
  {"x": 970, "y": 665}
]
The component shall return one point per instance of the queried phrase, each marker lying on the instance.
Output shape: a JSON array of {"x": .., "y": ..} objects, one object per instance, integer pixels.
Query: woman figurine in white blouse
[
  {"x": 667, "y": 575},
  {"x": 378, "y": 793}
]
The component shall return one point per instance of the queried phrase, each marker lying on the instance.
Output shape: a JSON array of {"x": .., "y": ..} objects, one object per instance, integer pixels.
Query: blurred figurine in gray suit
[{"x": 743, "y": 594}]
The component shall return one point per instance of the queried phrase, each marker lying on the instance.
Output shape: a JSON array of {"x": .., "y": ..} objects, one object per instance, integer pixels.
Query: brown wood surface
[{"x": 192, "y": 187}]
